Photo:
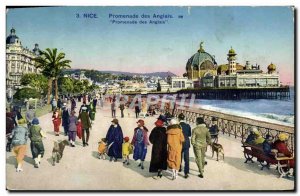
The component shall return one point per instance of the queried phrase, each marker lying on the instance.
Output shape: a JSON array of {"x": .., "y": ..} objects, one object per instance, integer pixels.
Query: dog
[
  {"x": 57, "y": 152},
  {"x": 218, "y": 148}
]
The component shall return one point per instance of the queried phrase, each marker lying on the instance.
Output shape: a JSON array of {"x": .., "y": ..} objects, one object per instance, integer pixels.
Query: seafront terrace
[{"x": 80, "y": 168}]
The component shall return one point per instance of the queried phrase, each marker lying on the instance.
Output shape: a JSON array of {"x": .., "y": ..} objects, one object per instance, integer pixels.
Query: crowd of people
[{"x": 171, "y": 138}]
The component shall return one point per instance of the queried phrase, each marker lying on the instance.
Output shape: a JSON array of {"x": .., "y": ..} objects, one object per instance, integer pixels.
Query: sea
[{"x": 273, "y": 111}]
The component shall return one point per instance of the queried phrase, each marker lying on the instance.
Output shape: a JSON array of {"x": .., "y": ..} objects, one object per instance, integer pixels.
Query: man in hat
[
  {"x": 200, "y": 139},
  {"x": 140, "y": 142},
  {"x": 37, "y": 147},
  {"x": 86, "y": 125},
  {"x": 65, "y": 118},
  {"x": 186, "y": 130},
  {"x": 114, "y": 138}
]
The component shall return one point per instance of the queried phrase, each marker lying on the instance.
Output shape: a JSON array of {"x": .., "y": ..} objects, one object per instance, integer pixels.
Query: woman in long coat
[
  {"x": 140, "y": 142},
  {"x": 114, "y": 138},
  {"x": 175, "y": 138},
  {"x": 158, "y": 138}
]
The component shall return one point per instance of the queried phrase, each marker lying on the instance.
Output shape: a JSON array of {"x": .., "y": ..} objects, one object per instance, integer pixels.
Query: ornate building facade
[
  {"x": 19, "y": 60},
  {"x": 202, "y": 69}
]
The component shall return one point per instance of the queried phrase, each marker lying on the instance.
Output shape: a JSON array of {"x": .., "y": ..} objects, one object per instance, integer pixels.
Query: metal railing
[{"x": 236, "y": 126}]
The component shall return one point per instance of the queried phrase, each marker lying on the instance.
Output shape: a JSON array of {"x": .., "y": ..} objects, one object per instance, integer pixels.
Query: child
[
  {"x": 37, "y": 147},
  {"x": 102, "y": 148},
  {"x": 126, "y": 150}
]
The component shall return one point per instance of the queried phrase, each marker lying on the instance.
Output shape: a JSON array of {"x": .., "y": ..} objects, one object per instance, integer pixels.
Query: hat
[
  {"x": 35, "y": 121},
  {"x": 141, "y": 122},
  {"x": 173, "y": 121},
  {"x": 214, "y": 118},
  {"x": 159, "y": 123},
  {"x": 126, "y": 139},
  {"x": 115, "y": 121},
  {"x": 21, "y": 121},
  {"x": 283, "y": 136},
  {"x": 255, "y": 131},
  {"x": 181, "y": 116}
]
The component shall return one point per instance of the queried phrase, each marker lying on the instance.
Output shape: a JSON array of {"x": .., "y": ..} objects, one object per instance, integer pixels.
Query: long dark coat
[
  {"x": 158, "y": 138},
  {"x": 115, "y": 135}
]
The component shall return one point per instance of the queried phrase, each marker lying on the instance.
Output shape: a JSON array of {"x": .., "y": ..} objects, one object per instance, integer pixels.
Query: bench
[{"x": 251, "y": 151}]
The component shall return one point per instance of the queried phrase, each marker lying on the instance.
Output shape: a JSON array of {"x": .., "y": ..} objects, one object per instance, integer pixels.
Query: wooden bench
[{"x": 251, "y": 151}]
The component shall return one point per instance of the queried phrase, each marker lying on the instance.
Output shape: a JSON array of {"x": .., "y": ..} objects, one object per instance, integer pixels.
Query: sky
[{"x": 258, "y": 34}]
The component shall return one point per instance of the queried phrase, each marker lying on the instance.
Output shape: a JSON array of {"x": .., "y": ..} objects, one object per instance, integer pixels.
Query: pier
[{"x": 239, "y": 93}]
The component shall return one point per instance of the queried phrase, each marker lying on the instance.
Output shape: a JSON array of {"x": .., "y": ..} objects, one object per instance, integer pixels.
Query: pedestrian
[
  {"x": 95, "y": 102},
  {"x": 113, "y": 109},
  {"x": 159, "y": 155},
  {"x": 140, "y": 142},
  {"x": 214, "y": 130},
  {"x": 56, "y": 122},
  {"x": 175, "y": 139},
  {"x": 73, "y": 104},
  {"x": 65, "y": 118},
  {"x": 19, "y": 140},
  {"x": 137, "y": 109},
  {"x": 283, "y": 150},
  {"x": 114, "y": 138},
  {"x": 122, "y": 107},
  {"x": 30, "y": 115},
  {"x": 200, "y": 139},
  {"x": 86, "y": 125},
  {"x": 53, "y": 104},
  {"x": 92, "y": 112},
  {"x": 59, "y": 103},
  {"x": 186, "y": 130},
  {"x": 37, "y": 147},
  {"x": 126, "y": 150},
  {"x": 72, "y": 128},
  {"x": 101, "y": 102}
]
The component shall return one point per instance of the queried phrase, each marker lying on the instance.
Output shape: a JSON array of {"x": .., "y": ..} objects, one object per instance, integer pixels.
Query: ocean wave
[{"x": 267, "y": 117}]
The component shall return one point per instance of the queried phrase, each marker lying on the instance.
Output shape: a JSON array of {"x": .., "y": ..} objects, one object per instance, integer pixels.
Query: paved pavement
[{"x": 80, "y": 169}]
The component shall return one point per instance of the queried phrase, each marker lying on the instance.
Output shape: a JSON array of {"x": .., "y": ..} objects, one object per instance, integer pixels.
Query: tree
[
  {"x": 66, "y": 85},
  {"x": 52, "y": 64},
  {"x": 26, "y": 93},
  {"x": 158, "y": 87},
  {"x": 37, "y": 81}
]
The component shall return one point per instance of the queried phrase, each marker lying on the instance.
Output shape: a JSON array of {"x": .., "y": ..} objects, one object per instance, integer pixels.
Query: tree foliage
[
  {"x": 34, "y": 80},
  {"x": 26, "y": 93}
]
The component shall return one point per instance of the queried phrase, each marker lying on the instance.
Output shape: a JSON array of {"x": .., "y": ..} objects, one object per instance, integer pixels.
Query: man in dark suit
[{"x": 186, "y": 129}]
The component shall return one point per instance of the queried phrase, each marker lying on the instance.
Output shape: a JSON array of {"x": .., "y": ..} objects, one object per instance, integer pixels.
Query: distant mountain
[{"x": 160, "y": 74}]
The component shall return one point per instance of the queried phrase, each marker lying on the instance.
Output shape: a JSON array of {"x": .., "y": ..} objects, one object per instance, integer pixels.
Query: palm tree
[{"x": 52, "y": 63}]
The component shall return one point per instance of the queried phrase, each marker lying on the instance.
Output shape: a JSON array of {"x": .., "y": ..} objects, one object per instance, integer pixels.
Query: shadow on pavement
[
  {"x": 29, "y": 160},
  {"x": 11, "y": 160}
]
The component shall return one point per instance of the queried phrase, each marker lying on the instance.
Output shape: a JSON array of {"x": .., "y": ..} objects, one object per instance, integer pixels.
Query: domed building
[
  {"x": 201, "y": 64},
  {"x": 19, "y": 60}
]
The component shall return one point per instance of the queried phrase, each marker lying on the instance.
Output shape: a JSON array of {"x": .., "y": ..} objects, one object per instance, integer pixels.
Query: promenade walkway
[{"x": 80, "y": 169}]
